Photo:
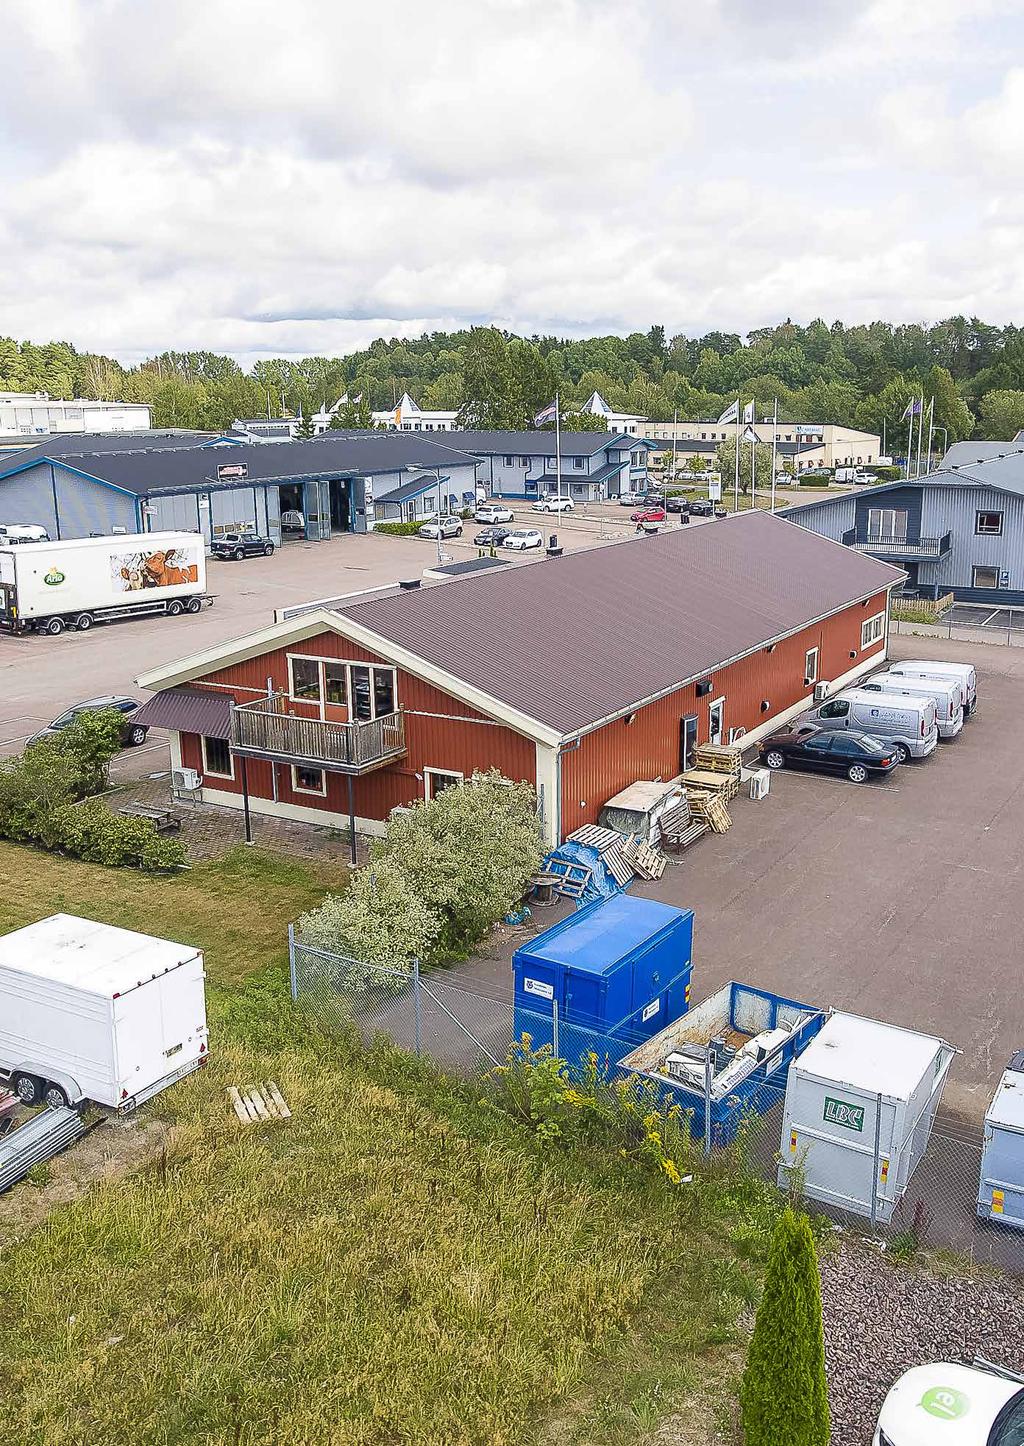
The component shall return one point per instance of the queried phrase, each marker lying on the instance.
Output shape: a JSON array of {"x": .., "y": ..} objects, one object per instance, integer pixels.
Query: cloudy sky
[{"x": 260, "y": 178}]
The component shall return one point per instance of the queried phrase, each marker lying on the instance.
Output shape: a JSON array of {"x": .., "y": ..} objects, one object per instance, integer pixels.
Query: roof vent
[{"x": 408, "y": 584}]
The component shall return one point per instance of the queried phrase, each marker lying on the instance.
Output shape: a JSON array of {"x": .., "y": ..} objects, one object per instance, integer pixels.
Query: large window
[
  {"x": 305, "y": 679},
  {"x": 872, "y": 629},
  {"x": 365, "y": 690},
  {"x": 217, "y": 758},
  {"x": 990, "y": 524},
  {"x": 984, "y": 577},
  {"x": 886, "y": 523},
  {"x": 436, "y": 780}
]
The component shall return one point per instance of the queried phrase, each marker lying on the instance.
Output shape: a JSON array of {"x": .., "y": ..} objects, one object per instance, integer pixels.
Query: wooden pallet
[
  {"x": 719, "y": 757},
  {"x": 572, "y": 878},
  {"x": 647, "y": 862},
  {"x": 708, "y": 780},
  {"x": 260, "y": 1102},
  {"x": 593, "y": 836},
  {"x": 710, "y": 807}
]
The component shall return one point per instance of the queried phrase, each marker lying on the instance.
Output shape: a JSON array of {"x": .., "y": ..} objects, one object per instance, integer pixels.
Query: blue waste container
[
  {"x": 619, "y": 971},
  {"x": 1001, "y": 1186}
]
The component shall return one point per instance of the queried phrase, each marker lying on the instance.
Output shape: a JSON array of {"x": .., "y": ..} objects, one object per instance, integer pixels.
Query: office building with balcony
[
  {"x": 957, "y": 530},
  {"x": 595, "y": 466}
]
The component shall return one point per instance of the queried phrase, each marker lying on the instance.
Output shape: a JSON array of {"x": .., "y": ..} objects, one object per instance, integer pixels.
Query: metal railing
[
  {"x": 921, "y": 547},
  {"x": 265, "y": 729}
]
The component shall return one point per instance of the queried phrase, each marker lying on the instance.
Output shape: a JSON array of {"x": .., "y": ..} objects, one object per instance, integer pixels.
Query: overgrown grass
[{"x": 400, "y": 1262}]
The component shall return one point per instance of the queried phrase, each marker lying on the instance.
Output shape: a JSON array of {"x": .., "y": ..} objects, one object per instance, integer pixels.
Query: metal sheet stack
[{"x": 37, "y": 1141}]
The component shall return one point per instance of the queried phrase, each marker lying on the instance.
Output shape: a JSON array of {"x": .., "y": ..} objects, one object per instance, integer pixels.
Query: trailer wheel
[
  {"x": 28, "y": 1089},
  {"x": 55, "y": 1097},
  {"x": 174, "y": 608},
  {"x": 54, "y": 626},
  {"x": 194, "y": 604},
  {"x": 84, "y": 622}
]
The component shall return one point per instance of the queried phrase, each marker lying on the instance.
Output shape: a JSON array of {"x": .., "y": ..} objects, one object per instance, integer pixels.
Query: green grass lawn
[{"x": 398, "y": 1263}]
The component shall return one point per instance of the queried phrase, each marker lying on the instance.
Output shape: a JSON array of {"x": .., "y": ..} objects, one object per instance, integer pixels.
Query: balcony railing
[
  {"x": 902, "y": 547},
  {"x": 265, "y": 729}
]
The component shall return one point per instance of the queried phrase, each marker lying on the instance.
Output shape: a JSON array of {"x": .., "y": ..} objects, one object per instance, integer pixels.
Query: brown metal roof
[
  {"x": 187, "y": 710},
  {"x": 575, "y": 639}
]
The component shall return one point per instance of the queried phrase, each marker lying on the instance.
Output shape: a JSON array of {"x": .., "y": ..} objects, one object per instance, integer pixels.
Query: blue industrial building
[
  {"x": 596, "y": 466},
  {"x": 959, "y": 529}
]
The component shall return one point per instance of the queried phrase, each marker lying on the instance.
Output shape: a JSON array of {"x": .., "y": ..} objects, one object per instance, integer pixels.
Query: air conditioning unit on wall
[
  {"x": 185, "y": 780},
  {"x": 821, "y": 692}
]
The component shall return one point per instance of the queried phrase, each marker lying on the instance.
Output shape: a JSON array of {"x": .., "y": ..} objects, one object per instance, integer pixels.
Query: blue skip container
[{"x": 619, "y": 971}]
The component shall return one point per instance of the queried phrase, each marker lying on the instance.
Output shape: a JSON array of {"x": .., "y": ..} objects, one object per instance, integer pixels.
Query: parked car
[
  {"x": 441, "y": 527},
  {"x": 133, "y": 734},
  {"x": 649, "y": 514},
  {"x": 701, "y": 507},
  {"x": 16, "y": 532},
  {"x": 493, "y": 512},
  {"x": 293, "y": 520},
  {"x": 491, "y": 536},
  {"x": 979, "y": 1405},
  {"x": 907, "y": 722},
  {"x": 523, "y": 539},
  {"x": 962, "y": 673},
  {"x": 553, "y": 504},
  {"x": 677, "y": 504},
  {"x": 631, "y": 499},
  {"x": 237, "y": 545},
  {"x": 858, "y": 755}
]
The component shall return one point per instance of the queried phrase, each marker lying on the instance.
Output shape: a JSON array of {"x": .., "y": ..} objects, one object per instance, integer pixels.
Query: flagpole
[
  {"x": 558, "y": 447},
  {"x": 931, "y": 430},
  {"x": 753, "y": 465},
  {"x": 910, "y": 437},
  {"x": 920, "y": 429},
  {"x": 775, "y": 431},
  {"x": 675, "y": 429},
  {"x": 736, "y": 482}
]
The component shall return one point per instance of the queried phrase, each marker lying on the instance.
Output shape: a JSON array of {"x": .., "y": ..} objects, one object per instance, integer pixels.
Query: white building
[
  {"x": 25, "y": 416},
  {"x": 614, "y": 421},
  {"x": 810, "y": 444},
  {"x": 408, "y": 417}
]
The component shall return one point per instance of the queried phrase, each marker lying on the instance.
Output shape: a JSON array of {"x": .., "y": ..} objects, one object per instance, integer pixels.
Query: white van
[
  {"x": 949, "y": 708},
  {"x": 908, "y": 722},
  {"x": 962, "y": 672}
]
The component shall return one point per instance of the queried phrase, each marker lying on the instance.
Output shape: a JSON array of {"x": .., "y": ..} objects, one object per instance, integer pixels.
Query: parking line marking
[{"x": 985, "y": 621}]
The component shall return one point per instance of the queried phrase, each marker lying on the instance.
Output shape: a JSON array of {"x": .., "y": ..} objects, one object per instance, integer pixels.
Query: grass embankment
[{"x": 398, "y": 1263}]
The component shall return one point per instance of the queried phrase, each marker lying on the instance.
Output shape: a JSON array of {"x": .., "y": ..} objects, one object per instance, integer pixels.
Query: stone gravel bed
[{"x": 881, "y": 1317}]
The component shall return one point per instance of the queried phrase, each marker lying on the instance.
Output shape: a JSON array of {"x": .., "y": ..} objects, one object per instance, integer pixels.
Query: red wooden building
[{"x": 582, "y": 674}]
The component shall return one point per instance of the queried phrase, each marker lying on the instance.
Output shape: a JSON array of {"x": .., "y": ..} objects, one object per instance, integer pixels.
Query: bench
[{"x": 162, "y": 819}]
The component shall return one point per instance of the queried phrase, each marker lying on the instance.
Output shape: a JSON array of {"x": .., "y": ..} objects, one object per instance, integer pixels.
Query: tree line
[{"x": 860, "y": 376}]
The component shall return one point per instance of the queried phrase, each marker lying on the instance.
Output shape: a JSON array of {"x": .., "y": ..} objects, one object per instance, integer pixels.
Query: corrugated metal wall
[
  {"x": 621, "y": 753},
  {"x": 27, "y": 497},
  {"x": 82, "y": 506}
]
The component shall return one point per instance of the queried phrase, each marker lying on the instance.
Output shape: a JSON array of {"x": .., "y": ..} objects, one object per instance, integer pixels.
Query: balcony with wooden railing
[{"x": 266, "y": 729}]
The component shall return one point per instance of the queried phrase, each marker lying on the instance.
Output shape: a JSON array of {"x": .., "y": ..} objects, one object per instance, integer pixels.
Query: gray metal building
[
  {"x": 595, "y": 465},
  {"x": 958, "y": 530}
]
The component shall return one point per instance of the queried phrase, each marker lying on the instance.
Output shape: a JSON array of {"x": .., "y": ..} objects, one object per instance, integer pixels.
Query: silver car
[{"x": 441, "y": 527}]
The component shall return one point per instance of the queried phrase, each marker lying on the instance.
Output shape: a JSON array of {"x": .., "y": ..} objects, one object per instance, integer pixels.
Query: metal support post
[
  {"x": 554, "y": 1028},
  {"x": 416, "y": 1000},
  {"x": 877, "y": 1160},
  {"x": 352, "y": 820},
  {"x": 245, "y": 799},
  {"x": 707, "y": 1099},
  {"x": 293, "y": 973}
]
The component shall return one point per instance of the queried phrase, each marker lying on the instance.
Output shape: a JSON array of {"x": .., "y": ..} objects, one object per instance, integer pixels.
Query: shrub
[
  {"x": 885, "y": 474},
  {"x": 783, "y": 1396},
  {"x": 382, "y": 919},
  {"x": 90, "y": 831},
  {"x": 91, "y": 741},
  {"x": 814, "y": 481},
  {"x": 397, "y": 529}
]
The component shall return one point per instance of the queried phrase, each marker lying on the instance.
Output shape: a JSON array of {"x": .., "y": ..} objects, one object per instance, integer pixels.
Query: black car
[
  {"x": 858, "y": 755},
  {"x": 131, "y": 733},
  {"x": 237, "y": 545},
  {"x": 701, "y": 507},
  {"x": 677, "y": 504},
  {"x": 491, "y": 536}
]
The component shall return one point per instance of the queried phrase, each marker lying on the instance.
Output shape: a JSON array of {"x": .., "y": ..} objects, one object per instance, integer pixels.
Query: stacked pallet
[
  {"x": 711, "y": 808},
  {"x": 679, "y": 829},
  {"x": 644, "y": 860},
  {"x": 719, "y": 757},
  {"x": 609, "y": 844},
  {"x": 710, "y": 780}
]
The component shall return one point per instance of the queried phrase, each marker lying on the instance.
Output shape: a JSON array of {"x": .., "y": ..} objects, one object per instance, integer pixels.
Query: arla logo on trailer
[
  {"x": 537, "y": 986},
  {"x": 945, "y": 1403},
  {"x": 54, "y": 577},
  {"x": 839, "y": 1112}
]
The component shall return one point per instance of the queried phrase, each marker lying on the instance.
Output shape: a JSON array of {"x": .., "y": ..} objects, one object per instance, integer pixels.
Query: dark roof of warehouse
[
  {"x": 534, "y": 443},
  {"x": 181, "y": 466},
  {"x": 572, "y": 640},
  {"x": 75, "y": 447}
]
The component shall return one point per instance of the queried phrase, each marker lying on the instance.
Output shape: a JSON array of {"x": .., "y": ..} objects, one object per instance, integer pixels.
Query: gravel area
[{"x": 881, "y": 1318}]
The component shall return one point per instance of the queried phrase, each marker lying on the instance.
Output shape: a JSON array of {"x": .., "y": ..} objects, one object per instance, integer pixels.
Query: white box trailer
[
  {"x": 49, "y": 586},
  {"x": 93, "y": 1012},
  {"x": 860, "y": 1102}
]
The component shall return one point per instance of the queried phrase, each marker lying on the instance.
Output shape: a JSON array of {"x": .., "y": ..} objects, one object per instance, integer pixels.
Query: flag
[
  {"x": 731, "y": 413},
  {"x": 748, "y": 412},
  {"x": 750, "y": 435},
  {"x": 913, "y": 409},
  {"x": 549, "y": 413}
]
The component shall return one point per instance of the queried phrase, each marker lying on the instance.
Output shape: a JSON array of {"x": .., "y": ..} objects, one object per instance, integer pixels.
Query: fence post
[
  {"x": 292, "y": 971},
  {"x": 554, "y": 1028},
  {"x": 416, "y": 999},
  {"x": 1009, "y": 626},
  {"x": 707, "y": 1099},
  {"x": 877, "y": 1161}
]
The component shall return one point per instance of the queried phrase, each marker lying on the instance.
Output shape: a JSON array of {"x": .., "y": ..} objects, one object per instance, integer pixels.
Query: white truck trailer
[
  {"x": 92, "y": 1012},
  {"x": 49, "y": 586}
]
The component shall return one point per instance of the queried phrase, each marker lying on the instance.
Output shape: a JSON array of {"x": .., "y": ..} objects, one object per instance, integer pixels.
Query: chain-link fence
[
  {"x": 468, "y": 1032},
  {"x": 962, "y": 622}
]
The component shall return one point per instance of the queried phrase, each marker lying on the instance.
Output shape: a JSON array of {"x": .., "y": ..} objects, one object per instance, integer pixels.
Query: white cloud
[{"x": 251, "y": 179}]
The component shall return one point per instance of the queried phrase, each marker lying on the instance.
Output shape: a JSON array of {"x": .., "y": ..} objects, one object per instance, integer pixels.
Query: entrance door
[
  {"x": 687, "y": 741},
  {"x": 716, "y": 721}
]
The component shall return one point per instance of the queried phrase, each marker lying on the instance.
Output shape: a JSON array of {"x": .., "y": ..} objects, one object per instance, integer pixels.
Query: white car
[
  {"x": 16, "y": 532},
  {"x": 292, "y": 521},
  {"x": 632, "y": 499},
  {"x": 441, "y": 527},
  {"x": 491, "y": 512},
  {"x": 959, "y": 1405},
  {"x": 553, "y": 504},
  {"x": 524, "y": 538}
]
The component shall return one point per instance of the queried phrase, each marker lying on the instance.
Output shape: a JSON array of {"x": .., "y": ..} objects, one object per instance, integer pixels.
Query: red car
[{"x": 649, "y": 514}]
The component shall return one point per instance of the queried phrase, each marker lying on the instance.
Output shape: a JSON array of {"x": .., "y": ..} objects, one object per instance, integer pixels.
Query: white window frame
[
  {"x": 717, "y": 703},
  {"x": 311, "y": 792},
  {"x": 292, "y": 696},
  {"x": 209, "y": 772},
  {"x": 984, "y": 567},
  {"x": 810, "y": 672},
  {"x": 872, "y": 631},
  {"x": 348, "y": 664},
  {"x": 980, "y": 531},
  {"x": 429, "y": 773}
]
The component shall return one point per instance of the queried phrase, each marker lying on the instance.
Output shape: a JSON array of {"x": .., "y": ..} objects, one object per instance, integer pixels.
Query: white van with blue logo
[{"x": 906, "y": 721}]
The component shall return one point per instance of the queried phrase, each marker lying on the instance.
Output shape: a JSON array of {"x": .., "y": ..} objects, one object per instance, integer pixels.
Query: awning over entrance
[{"x": 187, "y": 710}]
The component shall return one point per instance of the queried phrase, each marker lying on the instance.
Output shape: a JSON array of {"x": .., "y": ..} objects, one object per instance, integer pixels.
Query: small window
[
  {"x": 810, "y": 666},
  {"x": 579, "y": 463},
  {"x": 217, "y": 758},
  {"x": 436, "y": 780},
  {"x": 985, "y": 577},
  {"x": 305, "y": 679},
  {"x": 524, "y": 461},
  {"x": 990, "y": 524},
  {"x": 309, "y": 780},
  {"x": 509, "y": 461},
  {"x": 872, "y": 630}
]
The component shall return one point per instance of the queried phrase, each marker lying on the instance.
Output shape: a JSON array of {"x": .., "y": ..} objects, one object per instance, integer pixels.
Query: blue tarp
[{"x": 601, "y": 885}]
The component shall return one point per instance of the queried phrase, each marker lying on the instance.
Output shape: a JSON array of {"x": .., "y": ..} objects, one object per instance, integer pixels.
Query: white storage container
[
  {"x": 92, "y": 1012},
  {"x": 860, "y": 1101}
]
